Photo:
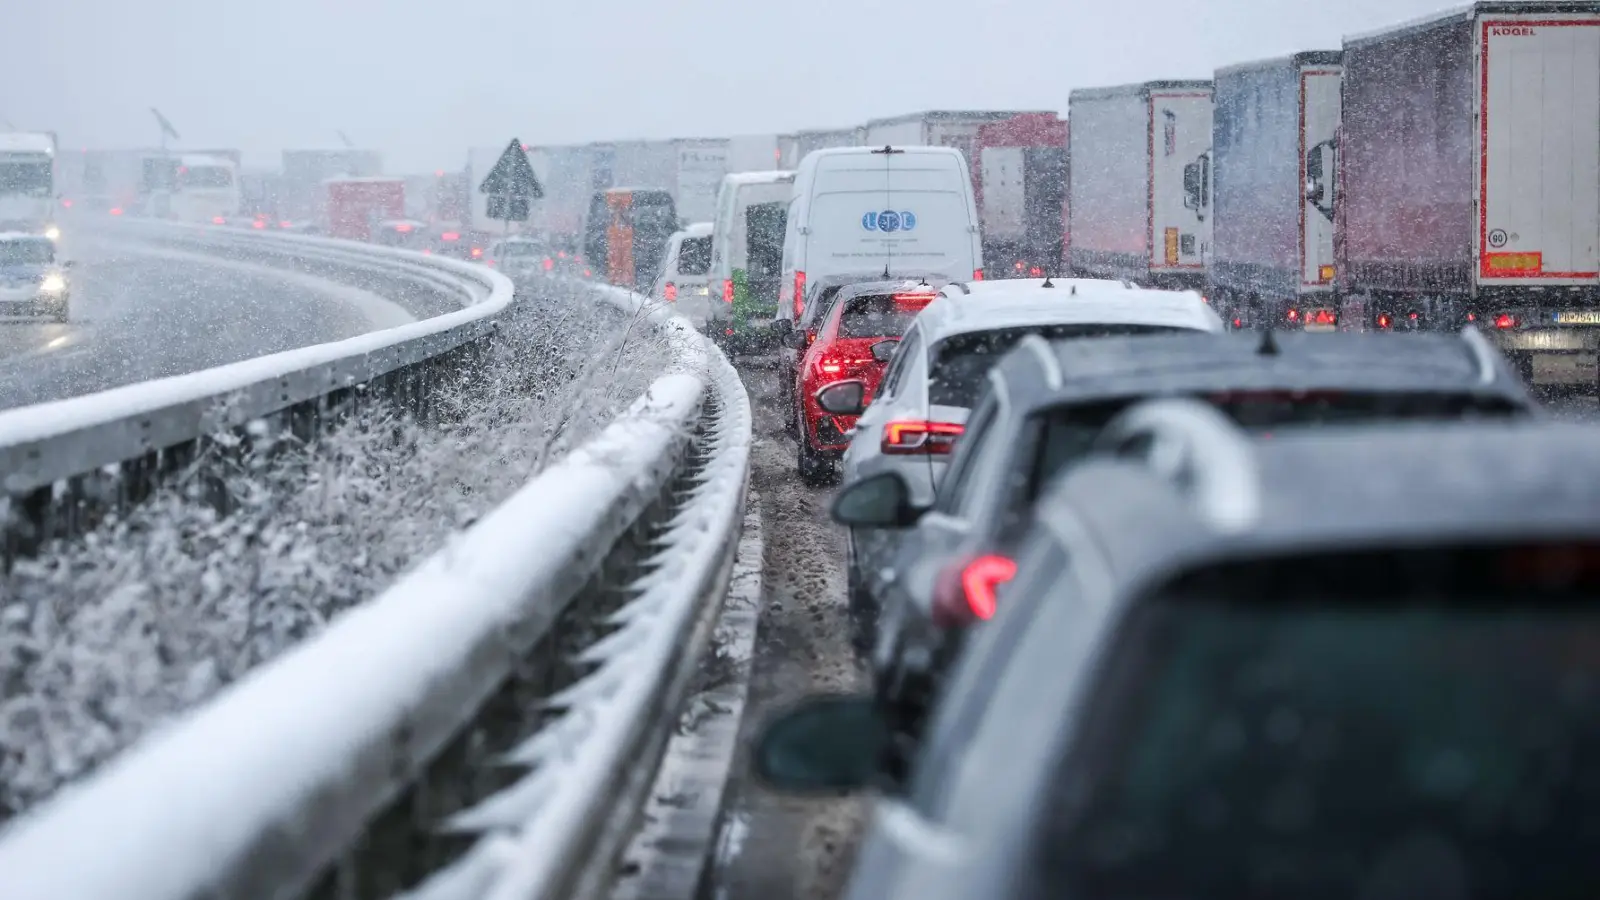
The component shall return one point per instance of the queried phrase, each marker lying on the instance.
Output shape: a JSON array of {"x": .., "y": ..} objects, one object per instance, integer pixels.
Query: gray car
[
  {"x": 33, "y": 282},
  {"x": 1335, "y": 664}
]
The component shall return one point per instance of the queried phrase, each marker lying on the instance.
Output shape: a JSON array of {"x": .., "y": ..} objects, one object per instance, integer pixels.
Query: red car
[{"x": 856, "y": 339}]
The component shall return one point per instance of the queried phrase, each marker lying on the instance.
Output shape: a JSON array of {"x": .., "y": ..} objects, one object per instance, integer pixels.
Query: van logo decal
[{"x": 889, "y": 220}]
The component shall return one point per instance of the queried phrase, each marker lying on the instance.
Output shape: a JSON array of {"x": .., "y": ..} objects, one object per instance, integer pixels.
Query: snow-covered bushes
[{"x": 102, "y": 638}]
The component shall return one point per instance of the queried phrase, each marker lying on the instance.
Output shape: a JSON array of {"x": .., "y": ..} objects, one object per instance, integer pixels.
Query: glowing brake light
[
  {"x": 218, "y": 220},
  {"x": 671, "y": 292},
  {"x": 403, "y": 227},
  {"x": 1035, "y": 272},
  {"x": 799, "y": 293},
  {"x": 727, "y": 290},
  {"x": 116, "y": 210},
  {"x": 450, "y": 236},
  {"x": 258, "y": 224},
  {"x": 67, "y": 203},
  {"x": 1324, "y": 317},
  {"x": 1292, "y": 315},
  {"x": 1384, "y": 321},
  {"x": 549, "y": 264},
  {"x": 977, "y": 274},
  {"x": 920, "y": 437},
  {"x": 477, "y": 252},
  {"x": 912, "y": 302},
  {"x": 286, "y": 224},
  {"x": 968, "y": 593},
  {"x": 1505, "y": 320}
]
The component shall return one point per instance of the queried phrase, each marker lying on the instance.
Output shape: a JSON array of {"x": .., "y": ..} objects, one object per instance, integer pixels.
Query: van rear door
[{"x": 904, "y": 218}]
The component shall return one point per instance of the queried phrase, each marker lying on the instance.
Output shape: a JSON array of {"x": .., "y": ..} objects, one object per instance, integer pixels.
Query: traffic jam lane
[{"x": 773, "y": 846}]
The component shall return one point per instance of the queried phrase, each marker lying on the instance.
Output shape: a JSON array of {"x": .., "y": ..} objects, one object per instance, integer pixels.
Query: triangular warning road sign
[{"x": 512, "y": 175}]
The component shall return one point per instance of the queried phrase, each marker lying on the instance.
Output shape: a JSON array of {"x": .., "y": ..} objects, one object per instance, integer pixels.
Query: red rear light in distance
[
  {"x": 727, "y": 290},
  {"x": 549, "y": 264},
  {"x": 218, "y": 220},
  {"x": 977, "y": 274},
  {"x": 912, "y": 302},
  {"x": 671, "y": 292},
  {"x": 920, "y": 437},
  {"x": 970, "y": 593},
  {"x": 1505, "y": 320},
  {"x": 1384, "y": 321},
  {"x": 799, "y": 293}
]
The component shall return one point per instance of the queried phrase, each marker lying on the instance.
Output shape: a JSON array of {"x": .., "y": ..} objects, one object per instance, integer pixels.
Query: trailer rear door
[{"x": 1539, "y": 178}]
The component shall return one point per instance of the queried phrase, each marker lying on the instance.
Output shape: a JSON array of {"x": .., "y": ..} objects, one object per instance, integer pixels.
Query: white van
[
  {"x": 747, "y": 254},
  {"x": 683, "y": 275},
  {"x": 859, "y": 210}
]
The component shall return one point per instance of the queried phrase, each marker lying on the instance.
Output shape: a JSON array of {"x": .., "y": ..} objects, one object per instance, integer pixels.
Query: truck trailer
[
  {"x": 28, "y": 182},
  {"x": 354, "y": 205},
  {"x": 1139, "y": 184},
  {"x": 1019, "y": 180},
  {"x": 1470, "y": 150},
  {"x": 1275, "y": 185},
  {"x": 796, "y": 146}
]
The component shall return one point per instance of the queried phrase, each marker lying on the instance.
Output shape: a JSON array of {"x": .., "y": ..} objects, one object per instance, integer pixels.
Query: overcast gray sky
[{"x": 422, "y": 80}]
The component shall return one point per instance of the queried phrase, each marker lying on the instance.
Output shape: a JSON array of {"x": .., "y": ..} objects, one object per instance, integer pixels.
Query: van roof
[
  {"x": 26, "y": 142},
  {"x": 967, "y": 307},
  {"x": 775, "y": 176},
  {"x": 697, "y": 230}
]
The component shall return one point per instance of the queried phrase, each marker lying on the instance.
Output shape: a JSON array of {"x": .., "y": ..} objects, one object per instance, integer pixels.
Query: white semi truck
[{"x": 28, "y": 183}]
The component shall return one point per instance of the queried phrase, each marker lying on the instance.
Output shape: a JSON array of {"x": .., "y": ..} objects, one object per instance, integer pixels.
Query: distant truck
[
  {"x": 1275, "y": 182},
  {"x": 1139, "y": 191},
  {"x": 937, "y": 128},
  {"x": 1470, "y": 154},
  {"x": 1019, "y": 169},
  {"x": 28, "y": 183},
  {"x": 304, "y": 171},
  {"x": 796, "y": 146},
  {"x": 354, "y": 205}
]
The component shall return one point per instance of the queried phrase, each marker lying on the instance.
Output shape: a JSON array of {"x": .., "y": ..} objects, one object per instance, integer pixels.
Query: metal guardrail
[
  {"x": 61, "y": 461},
  {"x": 338, "y": 768}
]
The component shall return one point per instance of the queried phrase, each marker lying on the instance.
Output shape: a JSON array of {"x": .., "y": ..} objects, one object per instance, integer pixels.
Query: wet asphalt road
[{"x": 140, "y": 312}]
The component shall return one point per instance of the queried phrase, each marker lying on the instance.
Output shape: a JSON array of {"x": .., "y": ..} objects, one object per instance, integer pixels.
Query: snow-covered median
[{"x": 102, "y": 639}]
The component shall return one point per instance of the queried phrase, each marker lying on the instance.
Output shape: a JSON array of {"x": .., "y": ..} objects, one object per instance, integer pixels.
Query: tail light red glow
[
  {"x": 403, "y": 228},
  {"x": 588, "y": 273},
  {"x": 218, "y": 220},
  {"x": 1323, "y": 317},
  {"x": 549, "y": 264},
  {"x": 116, "y": 210},
  {"x": 1035, "y": 271},
  {"x": 258, "y": 224},
  {"x": 977, "y": 274},
  {"x": 1019, "y": 265},
  {"x": 981, "y": 580},
  {"x": 477, "y": 252},
  {"x": 727, "y": 290},
  {"x": 450, "y": 236},
  {"x": 1292, "y": 315},
  {"x": 920, "y": 437},
  {"x": 671, "y": 292},
  {"x": 1472, "y": 317},
  {"x": 1413, "y": 317},
  {"x": 1505, "y": 320},
  {"x": 67, "y": 203},
  {"x": 833, "y": 365},
  {"x": 286, "y": 224},
  {"x": 799, "y": 293},
  {"x": 1238, "y": 323},
  {"x": 912, "y": 302}
]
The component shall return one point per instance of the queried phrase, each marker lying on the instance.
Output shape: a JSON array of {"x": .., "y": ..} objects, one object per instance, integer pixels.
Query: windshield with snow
[
  {"x": 28, "y": 177},
  {"x": 694, "y": 256},
  {"x": 26, "y": 253}
]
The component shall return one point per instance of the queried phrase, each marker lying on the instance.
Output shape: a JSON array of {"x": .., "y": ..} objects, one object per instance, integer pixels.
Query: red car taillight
[
  {"x": 671, "y": 292},
  {"x": 919, "y": 437},
  {"x": 977, "y": 274},
  {"x": 969, "y": 593},
  {"x": 799, "y": 293},
  {"x": 1505, "y": 320},
  {"x": 727, "y": 290}
]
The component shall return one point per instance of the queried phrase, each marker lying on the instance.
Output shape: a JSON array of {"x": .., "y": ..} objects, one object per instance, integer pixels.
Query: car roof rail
[
  {"x": 1046, "y": 355},
  {"x": 1483, "y": 352},
  {"x": 1197, "y": 449}
]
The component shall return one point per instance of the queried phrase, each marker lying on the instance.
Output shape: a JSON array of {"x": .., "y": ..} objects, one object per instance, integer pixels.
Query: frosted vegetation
[{"x": 103, "y": 638}]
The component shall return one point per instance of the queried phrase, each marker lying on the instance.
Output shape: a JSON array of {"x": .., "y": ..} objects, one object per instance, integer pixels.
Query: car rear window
[
  {"x": 26, "y": 253},
  {"x": 519, "y": 248},
  {"x": 1418, "y": 723},
  {"x": 694, "y": 256},
  {"x": 1069, "y": 432},
  {"x": 960, "y": 363},
  {"x": 878, "y": 315}
]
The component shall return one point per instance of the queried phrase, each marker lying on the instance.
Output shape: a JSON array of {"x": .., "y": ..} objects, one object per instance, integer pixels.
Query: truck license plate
[{"x": 1578, "y": 317}]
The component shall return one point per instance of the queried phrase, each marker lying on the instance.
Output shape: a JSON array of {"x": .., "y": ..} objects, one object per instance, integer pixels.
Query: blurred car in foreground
[
  {"x": 32, "y": 281},
  {"x": 1044, "y": 407},
  {"x": 1344, "y": 663}
]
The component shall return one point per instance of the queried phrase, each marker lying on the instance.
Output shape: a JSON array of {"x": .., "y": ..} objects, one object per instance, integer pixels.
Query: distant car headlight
[
  {"x": 53, "y": 233},
  {"x": 53, "y": 284}
]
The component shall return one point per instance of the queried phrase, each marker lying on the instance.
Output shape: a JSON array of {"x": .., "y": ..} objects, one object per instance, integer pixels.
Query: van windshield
[{"x": 924, "y": 231}]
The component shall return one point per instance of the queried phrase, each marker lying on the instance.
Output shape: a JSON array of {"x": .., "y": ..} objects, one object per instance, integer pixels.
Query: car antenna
[
  {"x": 1047, "y": 282},
  {"x": 1269, "y": 344},
  {"x": 886, "y": 275}
]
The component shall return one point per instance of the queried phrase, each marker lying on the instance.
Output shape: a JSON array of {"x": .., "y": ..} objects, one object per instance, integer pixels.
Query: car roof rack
[
  {"x": 1046, "y": 355},
  {"x": 1483, "y": 353},
  {"x": 1197, "y": 449}
]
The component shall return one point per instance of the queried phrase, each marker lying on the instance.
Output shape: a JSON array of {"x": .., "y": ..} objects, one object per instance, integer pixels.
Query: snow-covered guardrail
[
  {"x": 59, "y": 458},
  {"x": 343, "y": 764}
]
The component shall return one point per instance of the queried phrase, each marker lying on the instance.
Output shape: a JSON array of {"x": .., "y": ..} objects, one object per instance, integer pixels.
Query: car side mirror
[
  {"x": 824, "y": 745},
  {"x": 782, "y": 327},
  {"x": 883, "y": 351},
  {"x": 880, "y": 501},
  {"x": 846, "y": 398}
]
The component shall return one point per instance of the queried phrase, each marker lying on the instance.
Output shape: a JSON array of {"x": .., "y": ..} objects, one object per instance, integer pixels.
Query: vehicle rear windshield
[
  {"x": 694, "y": 256},
  {"x": 961, "y": 362},
  {"x": 26, "y": 253},
  {"x": 876, "y": 315},
  {"x": 764, "y": 225},
  {"x": 1070, "y": 432},
  {"x": 1404, "y": 725}
]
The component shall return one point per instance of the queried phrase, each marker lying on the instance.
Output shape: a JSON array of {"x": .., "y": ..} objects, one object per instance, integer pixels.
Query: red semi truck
[
  {"x": 354, "y": 204},
  {"x": 1019, "y": 179}
]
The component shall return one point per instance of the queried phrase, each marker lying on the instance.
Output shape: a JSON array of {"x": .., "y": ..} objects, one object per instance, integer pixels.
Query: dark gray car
[{"x": 1352, "y": 663}]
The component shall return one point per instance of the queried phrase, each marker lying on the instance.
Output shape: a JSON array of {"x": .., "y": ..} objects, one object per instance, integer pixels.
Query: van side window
[{"x": 910, "y": 346}]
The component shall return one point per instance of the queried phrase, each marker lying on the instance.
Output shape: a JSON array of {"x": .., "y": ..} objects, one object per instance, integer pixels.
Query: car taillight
[
  {"x": 450, "y": 236},
  {"x": 1323, "y": 317},
  {"x": 218, "y": 220},
  {"x": 549, "y": 264},
  {"x": 1035, "y": 272},
  {"x": 671, "y": 292},
  {"x": 258, "y": 224},
  {"x": 1018, "y": 265},
  {"x": 1384, "y": 321},
  {"x": 477, "y": 253},
  {"x": 970, "y": 592},
  {"x": 828, "y": 364},
  {"x": 799, "y": 293},
  {"x": 1292, "y": 315},
  {"x": 727, "y": 290},
  {"x": 286, "y": 224},
  {"x": 116, "y": 210},
  {"x": 920, "y": 437},
  {"x": 912, "y": 302},
  {"x": 1505, "y": 320}
]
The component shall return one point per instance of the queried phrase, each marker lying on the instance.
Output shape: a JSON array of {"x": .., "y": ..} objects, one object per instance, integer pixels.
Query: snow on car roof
[
  {"x": 775, "y": 176},
  {"x": 20, "y": 142},
  {"x": 1014, "y": 303},
  {"x": 23, "y": 236}
]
